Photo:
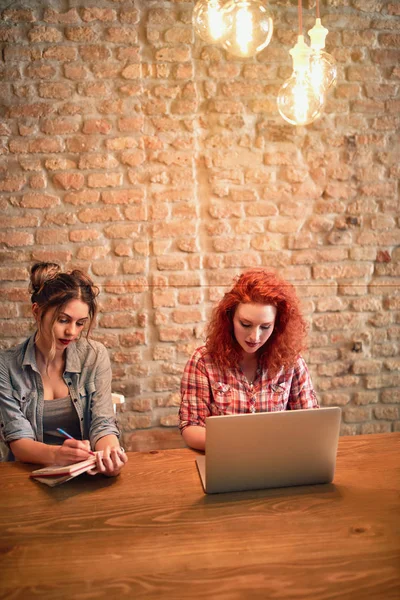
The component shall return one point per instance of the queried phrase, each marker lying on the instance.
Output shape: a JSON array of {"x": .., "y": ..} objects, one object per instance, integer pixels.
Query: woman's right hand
[{"x": 72, "y": 451}]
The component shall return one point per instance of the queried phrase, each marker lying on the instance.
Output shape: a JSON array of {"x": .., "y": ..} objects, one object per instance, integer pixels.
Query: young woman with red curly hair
[{"x": 252, "y": 358}]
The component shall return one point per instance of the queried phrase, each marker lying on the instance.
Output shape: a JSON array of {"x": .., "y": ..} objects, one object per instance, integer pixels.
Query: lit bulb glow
[
  {"x": 323, "y": 72},
  {"x": 244, "y": 28},
  {"x": 208, "y": 21},
  {"x": 298, "y": 102},
  {"x": 215, "y": 22},
  {"x": 248, "y": 27}
]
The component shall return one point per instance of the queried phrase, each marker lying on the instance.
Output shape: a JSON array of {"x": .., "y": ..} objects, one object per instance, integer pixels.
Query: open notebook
[{"x": 56, "y": 474}]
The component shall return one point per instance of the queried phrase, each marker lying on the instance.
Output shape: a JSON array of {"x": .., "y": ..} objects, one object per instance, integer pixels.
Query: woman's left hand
[{"x": 109, "y": 461}]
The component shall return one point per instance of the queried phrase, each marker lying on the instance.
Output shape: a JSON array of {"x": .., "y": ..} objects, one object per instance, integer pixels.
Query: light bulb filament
[
  {"x": 317, "y": 76},
  {"x": 244, "y": 29},
  {"x": 300, "y": 101},
  {"x": 215, "y": 21}
]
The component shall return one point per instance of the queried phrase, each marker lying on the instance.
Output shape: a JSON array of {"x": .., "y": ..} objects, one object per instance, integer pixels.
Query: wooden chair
[{"x": 117, "y": 399}]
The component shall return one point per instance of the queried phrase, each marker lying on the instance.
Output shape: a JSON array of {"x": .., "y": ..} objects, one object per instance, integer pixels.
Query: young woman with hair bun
[
  {"x": 251, "y": 361},
  {"x": 59, "y": 378}
]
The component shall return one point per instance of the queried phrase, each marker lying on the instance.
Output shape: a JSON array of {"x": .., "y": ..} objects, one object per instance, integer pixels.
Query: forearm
[
  {"x": 195, "y": 437},
  {"x": 110, "y": 440},
  {"x": 30, "y": 451}
]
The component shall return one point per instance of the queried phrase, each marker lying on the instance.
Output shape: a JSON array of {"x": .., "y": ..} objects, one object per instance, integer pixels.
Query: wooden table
[{"x": 152, "y": 533}]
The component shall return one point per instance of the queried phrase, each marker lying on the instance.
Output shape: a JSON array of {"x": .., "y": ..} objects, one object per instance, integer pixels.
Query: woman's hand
[
  {"x": 72, "y": 451},
  {"x": 109, "y": 461}
]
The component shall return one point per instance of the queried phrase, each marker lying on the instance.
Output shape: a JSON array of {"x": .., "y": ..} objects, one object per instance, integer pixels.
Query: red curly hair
[{"x": 288, "y": 338}]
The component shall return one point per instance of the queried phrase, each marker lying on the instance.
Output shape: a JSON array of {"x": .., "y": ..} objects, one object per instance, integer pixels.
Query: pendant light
[
  {"x": 298, "y": 102},
  {"x": 208, "y": 21},
  {"x": 323, "y": 72},
  {"x": 248, "y": 27}
]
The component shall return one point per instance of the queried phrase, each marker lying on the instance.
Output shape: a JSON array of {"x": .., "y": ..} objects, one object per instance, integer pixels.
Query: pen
[{"x": 71, "y": 438}]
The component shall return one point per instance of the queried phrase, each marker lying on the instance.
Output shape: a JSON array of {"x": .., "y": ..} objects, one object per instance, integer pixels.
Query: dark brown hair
[
  {"x": 50, "y": 287},
  {"x": 288, "y": 338}
]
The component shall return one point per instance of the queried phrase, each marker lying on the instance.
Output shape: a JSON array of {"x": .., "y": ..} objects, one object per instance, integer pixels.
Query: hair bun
[{"x": 41, "y": 273}]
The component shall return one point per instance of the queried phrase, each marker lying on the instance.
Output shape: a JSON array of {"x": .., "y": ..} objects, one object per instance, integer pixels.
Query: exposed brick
[
  {"x": 15, "y": 239},
  {"x": 390, "y": 396},
  {"x": 13, "y": 274},
  {"x": 121, "y": 231},
  {"x": 51, "y": 255},
  {"x": 385, "y": 57},
  {"x": 175, "y": 54},
  {"x": 132, "y": 71},
  {"x": 78, "y": 144},
  {"x": 104, "y": 180},
  {"x": 84, "y": 197},
  {"x": 375, "y": 428},
  {"x": 131, "y": 124},
  {"x": 129, "y": 15},
  {"x": 94, "y": 52},
  {"x": 53, "y": 16},
  {"x": 388, "y": 413},
  {"x": 12, "y": 184},
  {"x": 84, "y": 235},
  {"x": 135, "y": 158},
  {"x": 356, "y": 415},
  {"x": 362, "y": 398},
  {"x": 99, "y": 215},
  {"x": 121, "y": 35},
  {"x": 46, "y": 145},
  {"x": 36, "y": 200},
  {"x": 117, "y": 321},
  {"x": 129, "y": 196},
  {"x": 69, "y": 181},
  {"x": 51, "y": 236},
  {"x": 91, "y": 14},
  {"x": 60, "y": 53},
  {"x": 59, "y": 126},
  {"x": 92, "y": 252},
  {"x": 98, "y": 161}
]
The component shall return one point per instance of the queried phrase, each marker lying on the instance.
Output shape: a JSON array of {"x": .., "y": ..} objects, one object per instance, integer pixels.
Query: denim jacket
[{"x": 87, "y": 375}]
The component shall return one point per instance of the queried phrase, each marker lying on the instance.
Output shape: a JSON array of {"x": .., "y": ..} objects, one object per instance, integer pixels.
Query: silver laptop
[{"x": 268, "y": 450}]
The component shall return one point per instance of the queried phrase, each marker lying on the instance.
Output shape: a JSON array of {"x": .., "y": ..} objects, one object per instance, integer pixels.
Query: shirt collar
[
  {"x": 29, "y": 358},
  {"x": 72, "y": 363}
]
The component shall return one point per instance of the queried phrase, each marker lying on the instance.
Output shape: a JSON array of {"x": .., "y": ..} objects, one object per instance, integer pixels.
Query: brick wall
[{"x": 161, "y": 166}]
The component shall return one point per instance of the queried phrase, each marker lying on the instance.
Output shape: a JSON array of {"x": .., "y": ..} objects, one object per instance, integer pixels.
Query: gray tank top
[{"x": 59, "y": 413}]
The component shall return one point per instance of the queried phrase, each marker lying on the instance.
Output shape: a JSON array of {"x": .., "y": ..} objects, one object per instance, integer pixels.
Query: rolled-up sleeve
[
  {"x": 103, "y": 420},
  {"x": 195, "y": 393},
  {"x": 13, "y": 423},
  {"x": 302, "y": 394}
]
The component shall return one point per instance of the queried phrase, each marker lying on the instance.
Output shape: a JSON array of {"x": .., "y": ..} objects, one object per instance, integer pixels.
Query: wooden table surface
[{"x": 153, "y": 533}]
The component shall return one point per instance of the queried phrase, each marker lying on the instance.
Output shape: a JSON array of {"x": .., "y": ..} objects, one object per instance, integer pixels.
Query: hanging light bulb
[
  {"x": 298, "y": 102},
  {"x": 207, "y": 20},
  {"x": 323, "y": 72},
  {"x": 248, "y": 27}
]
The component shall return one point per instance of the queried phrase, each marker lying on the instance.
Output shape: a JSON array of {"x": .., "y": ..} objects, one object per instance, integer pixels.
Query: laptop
[{"x": 269, "y": 450}]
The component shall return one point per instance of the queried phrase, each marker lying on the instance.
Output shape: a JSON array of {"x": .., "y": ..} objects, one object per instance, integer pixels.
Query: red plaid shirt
[{"x": 207, "y": 390}]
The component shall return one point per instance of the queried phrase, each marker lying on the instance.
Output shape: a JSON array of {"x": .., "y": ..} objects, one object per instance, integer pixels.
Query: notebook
[
  {"x": 56, "y": 474},
  {"x": 269, "y": 450}
]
